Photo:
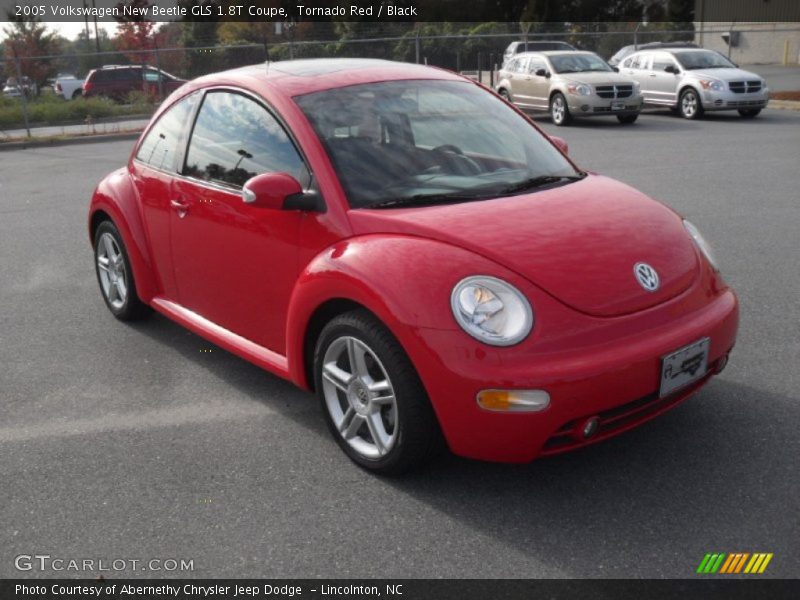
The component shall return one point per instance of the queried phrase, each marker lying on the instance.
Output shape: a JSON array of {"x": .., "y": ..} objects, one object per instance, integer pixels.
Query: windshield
[
  {"x": 577, "y": 63},
  {"x": 407, "y": 142},
  {"x": 704, "y": 59}
]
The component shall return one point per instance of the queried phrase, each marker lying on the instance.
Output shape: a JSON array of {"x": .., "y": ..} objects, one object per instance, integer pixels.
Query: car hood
[
  {"x": 579, "y": 242},
  {"x": 597, "y": 78},
  {"x": 724, "y": 74}
]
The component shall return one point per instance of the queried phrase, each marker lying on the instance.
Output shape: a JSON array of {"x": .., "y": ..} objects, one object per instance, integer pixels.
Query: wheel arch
[
  {"x": 688, "y": 86},
  {"x": 115, "y": 200}
]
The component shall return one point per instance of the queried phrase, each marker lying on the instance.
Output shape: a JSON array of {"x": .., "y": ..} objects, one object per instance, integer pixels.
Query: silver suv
[
  {"x": 693, "y": 81},
  {"x": 569, "y": 84}
]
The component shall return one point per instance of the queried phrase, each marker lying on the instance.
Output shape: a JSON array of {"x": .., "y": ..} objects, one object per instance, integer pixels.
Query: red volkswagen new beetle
[{"x": 415, "y": 250}]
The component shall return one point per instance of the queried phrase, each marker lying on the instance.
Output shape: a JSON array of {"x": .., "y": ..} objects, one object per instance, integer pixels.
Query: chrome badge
[{"x": 646, "y": 276}]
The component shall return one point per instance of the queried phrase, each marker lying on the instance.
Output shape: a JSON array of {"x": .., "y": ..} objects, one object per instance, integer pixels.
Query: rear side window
[
  {"x": 661, "y": 61},
  {"x": 160, "y": 148},
  {"x": 235, "y": 138}
]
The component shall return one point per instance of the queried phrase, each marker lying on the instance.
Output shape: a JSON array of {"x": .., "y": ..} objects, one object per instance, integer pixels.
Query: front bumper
[
  {"x": 727, "y": 100},
  {"x": 609, "y": 368},
  {"x": 593, "y": 106}
]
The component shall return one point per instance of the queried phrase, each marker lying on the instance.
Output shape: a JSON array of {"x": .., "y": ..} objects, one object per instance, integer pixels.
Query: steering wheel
[{"x": 461, "y": 163}]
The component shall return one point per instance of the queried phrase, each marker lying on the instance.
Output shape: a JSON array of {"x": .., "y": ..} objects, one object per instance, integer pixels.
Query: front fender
[
  {"x": 405, "y": 281},
  {"x": 116, "y": 196}
]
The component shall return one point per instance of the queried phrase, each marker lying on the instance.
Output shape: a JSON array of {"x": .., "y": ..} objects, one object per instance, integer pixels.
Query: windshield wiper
[
  {"x": 541, "y": 180},
  {"x": 426, "y": 199}
]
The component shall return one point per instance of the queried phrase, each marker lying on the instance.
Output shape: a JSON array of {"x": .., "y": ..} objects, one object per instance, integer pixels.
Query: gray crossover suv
[
  {"x": 569, "y": 84},
  {"x": 692, "y": 81}
]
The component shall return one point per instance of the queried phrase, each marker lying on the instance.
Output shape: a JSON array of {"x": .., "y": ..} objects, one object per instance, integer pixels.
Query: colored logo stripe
[{"x": 734, "y": 563}]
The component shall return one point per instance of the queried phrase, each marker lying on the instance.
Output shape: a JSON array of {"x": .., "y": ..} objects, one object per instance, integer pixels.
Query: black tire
[
  {"x": 689, "y": 105},
  {"x": 749, "y": 113},
  {"x": 131, "y": 308},
  {"x": 559, "y": 110},
  {"x": 77, "y": 94},
  {"x": 505, "y": 95},
  {"x": 627, "y": 119},
  {"x": 418, "y": 437}
]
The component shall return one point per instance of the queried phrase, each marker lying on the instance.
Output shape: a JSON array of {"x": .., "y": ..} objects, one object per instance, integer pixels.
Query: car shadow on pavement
[
  {"x": 705, "y": 476},
  {"x": 702, "y": 477}
]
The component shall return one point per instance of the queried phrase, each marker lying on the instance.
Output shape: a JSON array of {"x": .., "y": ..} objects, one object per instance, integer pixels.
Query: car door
[
  {"x": 235, "y": 264},
  {"x": 539, "y": 85},
  {"x": 663, "y": 85},
  {"x": 519, "y": 78},
  {"x": 153, "y": 169}
]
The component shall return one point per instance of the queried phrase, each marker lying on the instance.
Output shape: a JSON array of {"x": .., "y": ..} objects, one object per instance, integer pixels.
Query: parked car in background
[
  {"x": 68, "y": 87},
  {"x": 425, "y": 259},
  {"x": 515, "y": 48},
  {"x": 692, "y": 81},
  {"x": 15, "y": 89},
  {"x": 626, "y": 51},
  {"x": 569, "y": 84},
  {"x": 117, "y": 81}
]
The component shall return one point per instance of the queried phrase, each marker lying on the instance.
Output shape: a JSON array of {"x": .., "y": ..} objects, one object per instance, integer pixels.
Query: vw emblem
[{"x": 646, "y": 276}]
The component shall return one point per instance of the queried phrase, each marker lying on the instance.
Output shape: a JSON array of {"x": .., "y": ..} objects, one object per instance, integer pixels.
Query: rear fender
[{"x": 116, "y": 196}]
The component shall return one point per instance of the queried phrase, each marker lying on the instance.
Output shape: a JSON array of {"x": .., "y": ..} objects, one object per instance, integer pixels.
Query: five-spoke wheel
[{"x": 114, "y": 274}]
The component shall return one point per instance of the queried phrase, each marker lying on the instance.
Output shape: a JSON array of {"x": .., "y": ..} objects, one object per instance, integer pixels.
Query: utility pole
[{"x": 96, "y": 37}]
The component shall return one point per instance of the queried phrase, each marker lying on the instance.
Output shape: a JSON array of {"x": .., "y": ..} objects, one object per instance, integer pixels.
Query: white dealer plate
[{"x": 684, "y": 366}]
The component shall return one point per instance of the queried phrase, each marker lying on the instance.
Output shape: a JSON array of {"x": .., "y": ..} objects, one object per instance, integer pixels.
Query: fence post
[
  {"x": 458, "y": 61},
  {"x": 160, "y": 78},
  {"x": 23, "y": 97},
  {"x": 491, "y": 69},
  {"x": 480, "y": 75},
  {"x": 416, "y": 47}
]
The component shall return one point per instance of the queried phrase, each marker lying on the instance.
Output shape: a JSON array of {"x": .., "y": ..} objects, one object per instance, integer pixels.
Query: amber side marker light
[{"x": 513, "y": 400}]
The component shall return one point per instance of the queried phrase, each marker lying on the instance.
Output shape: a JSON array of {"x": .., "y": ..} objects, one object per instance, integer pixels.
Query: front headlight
[
  {"x": 491, "y": 310},
  {"x": 701, "y": 243},
  {"x": 712, "y": 84},
  {"x": 580, "y": 88}
]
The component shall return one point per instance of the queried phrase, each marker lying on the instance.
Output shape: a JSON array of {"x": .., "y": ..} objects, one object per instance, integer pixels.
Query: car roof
[
  {"x": 555, "y": 52},
  {"x": 296, "y": 77}
]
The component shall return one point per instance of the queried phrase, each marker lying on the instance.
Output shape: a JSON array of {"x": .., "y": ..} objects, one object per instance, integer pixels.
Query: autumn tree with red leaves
[{"x": 135, "y": 32}]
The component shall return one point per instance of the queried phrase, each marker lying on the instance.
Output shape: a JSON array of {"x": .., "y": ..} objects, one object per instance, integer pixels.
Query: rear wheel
[
  {"x": 749, "y": 113},
  {"x": 114, "y": 274},
  {"x": 372, "y": 398},
  {"x": 559, "y": 111},
  {"x": 627, "y": 119},
  {"x": 690, "y": 106}
]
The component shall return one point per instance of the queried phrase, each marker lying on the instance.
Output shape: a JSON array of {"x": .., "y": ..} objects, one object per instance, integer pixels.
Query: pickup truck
[{"x": 69, "y": 87}]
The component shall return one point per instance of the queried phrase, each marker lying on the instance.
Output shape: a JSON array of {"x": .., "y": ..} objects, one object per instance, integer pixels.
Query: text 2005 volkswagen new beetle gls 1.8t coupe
[{"x": 412, "y": 248}]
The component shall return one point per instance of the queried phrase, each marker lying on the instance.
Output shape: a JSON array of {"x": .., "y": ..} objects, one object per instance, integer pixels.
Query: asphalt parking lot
[{"x": 135, "y": 442}]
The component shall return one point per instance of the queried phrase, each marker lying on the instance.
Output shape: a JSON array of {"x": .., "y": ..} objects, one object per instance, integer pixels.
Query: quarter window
[
  {"x": 235, "y": 138},
  {"x": 160, "y": 147}
]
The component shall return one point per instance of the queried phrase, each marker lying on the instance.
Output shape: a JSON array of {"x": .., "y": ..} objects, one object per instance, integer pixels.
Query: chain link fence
[{"x": 26, "y": 104}]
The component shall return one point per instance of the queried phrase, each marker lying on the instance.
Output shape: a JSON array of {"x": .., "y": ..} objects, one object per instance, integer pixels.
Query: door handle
[
  {"x": 181, "y": 206},
  {"x": 652, "y": 74}
]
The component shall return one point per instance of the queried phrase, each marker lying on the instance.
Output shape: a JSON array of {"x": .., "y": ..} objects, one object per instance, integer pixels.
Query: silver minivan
[
  {"x": 569, "y": 84},
  {"x": 691, "y": 81}
]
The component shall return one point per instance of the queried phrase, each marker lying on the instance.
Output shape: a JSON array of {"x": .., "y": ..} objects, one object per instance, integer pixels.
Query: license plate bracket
[{"x": 684, "y": 366}]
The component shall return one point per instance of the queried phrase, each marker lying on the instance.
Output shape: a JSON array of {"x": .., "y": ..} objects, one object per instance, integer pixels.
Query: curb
[
  {"x": 83, "y": 139},
  {"x": 784, "y": 104}
]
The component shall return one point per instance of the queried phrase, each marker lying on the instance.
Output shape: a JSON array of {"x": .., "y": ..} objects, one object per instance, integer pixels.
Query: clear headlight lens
[
  {"x": 701, "y": 243},
  {"x": 581, "y": 89},
  {"x": 712, "y": 84},
  {"x": 491, "y": 310}
]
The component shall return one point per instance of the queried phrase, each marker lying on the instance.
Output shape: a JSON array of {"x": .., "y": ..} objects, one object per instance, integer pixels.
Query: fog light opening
[
  {"x": 589, "y": 427},
  {"x": 585, "y": 108},
  {"x": 721, "y": 364}
]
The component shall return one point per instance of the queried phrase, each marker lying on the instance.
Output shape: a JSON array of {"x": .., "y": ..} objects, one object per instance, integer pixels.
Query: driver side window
[{"x": 159, "y": 148}]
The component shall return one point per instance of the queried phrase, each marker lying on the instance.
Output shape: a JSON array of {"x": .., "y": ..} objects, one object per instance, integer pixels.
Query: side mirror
[
  {"x": 671, "y": 69},
  {"x": 560, "y": 143},
  {"x": 270, "y": 190},
  {"x": 615, "y": 69},
  {"x": 541, "y": 72}
]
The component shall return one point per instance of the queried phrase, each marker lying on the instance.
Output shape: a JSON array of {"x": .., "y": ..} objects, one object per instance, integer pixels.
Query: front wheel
[
  {"x": 749, "y": 113},
  {"x": 559, "y": 110},
  {"x": 627, "y": 119},
  {"x": 690, "y": 106},
  {"x": 114, "y": 274},
  {"x": 505, "y": 95},
  {"x": 372, "y": 398}
]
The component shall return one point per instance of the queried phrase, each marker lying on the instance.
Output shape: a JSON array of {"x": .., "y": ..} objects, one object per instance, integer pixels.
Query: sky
[{"x": 70, "y": 30}]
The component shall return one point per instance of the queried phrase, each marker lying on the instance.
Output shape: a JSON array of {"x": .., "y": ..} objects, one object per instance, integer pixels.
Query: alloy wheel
[
  {"x": 359, "y": 397},
  {"x": 112, "y": 272}
]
